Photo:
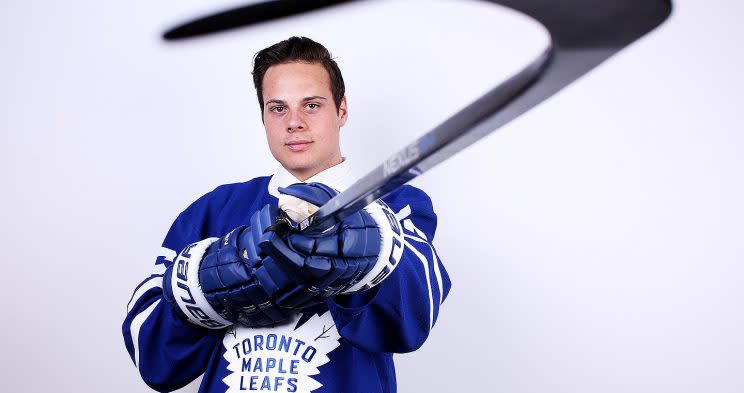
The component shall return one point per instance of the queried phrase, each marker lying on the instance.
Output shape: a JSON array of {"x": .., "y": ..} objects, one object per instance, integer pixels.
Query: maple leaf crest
[{"x": 279, "y": 358}]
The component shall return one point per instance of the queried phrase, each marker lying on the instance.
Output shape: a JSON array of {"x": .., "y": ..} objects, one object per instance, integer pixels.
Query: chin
[
  {"x": 298, "y": 165},
  {"x": 304, "y": 165},
  {"x": 297, "y": 168}
]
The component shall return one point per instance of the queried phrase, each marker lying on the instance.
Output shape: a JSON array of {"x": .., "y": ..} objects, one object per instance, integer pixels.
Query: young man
[{"x": 252, "y": 306}]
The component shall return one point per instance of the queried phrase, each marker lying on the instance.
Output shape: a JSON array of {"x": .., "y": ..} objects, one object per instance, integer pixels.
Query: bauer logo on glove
[{"x": 255, "y": 275}]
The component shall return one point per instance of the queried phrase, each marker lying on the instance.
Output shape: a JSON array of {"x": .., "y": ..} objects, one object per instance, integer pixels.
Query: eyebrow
[{"x": 279, "y": 101}]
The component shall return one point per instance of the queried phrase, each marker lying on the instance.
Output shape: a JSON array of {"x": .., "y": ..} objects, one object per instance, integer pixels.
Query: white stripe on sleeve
[
  {"x": 158, "y": 269},
  {"x": 150, "y": 283},
  {"x": 425, "y": 263},
  {"x": 408, "y": 224},
  {"x": 135, "y": 327},
  {"x": 169, "y": 254}
]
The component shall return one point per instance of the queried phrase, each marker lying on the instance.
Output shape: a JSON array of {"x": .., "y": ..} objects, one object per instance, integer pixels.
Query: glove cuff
[
  {"x": 391, "y": 247},
  {"x": 187, "y": 293}
]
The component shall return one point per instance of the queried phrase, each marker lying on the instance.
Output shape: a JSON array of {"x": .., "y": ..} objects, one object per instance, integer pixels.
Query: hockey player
[{"x": 253, "y": 306}]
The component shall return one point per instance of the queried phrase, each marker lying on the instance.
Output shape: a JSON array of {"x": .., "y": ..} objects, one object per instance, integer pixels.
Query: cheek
[
  {"x": 273, "y": 135},
  {"x": 331, "y": 129}
]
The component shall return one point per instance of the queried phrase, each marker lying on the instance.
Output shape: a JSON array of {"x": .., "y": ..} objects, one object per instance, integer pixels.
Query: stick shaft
[{"x": 453, "y": 135}]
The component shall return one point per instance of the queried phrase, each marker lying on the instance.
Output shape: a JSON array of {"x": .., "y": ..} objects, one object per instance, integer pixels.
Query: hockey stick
[{"x": 584, "y": 33}]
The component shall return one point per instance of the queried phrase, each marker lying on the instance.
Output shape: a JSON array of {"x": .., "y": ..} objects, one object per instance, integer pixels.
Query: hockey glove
[
  {"x": 213, "y": 282},
  {"x": 309, "y": 267}
]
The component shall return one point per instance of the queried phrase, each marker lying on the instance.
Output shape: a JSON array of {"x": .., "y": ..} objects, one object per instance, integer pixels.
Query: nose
[{"x": 296, "y": 122}]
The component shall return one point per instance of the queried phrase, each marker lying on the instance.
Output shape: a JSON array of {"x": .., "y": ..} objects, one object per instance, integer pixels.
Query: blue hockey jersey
[{"x": 343, "y": 345}]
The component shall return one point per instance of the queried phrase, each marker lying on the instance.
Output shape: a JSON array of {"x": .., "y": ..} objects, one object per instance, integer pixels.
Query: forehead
[{"x": 288, "y": 79}]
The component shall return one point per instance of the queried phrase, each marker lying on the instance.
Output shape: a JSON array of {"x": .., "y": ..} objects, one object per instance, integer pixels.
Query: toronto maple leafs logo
[{"x": 281, "y": 358}]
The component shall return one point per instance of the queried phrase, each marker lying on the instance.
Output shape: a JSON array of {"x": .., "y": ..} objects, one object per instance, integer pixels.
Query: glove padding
[
  {"x": 214, "y": 282},
  {"x": 228, "y": 278},
  {"x": 302, "y": 269}
]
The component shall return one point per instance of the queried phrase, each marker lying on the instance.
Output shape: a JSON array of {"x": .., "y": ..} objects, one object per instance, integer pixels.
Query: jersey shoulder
[
  {"x": 227, "y": 194},
  {"x": 412, "y": 206},
  {"x": 219, "y": 210},
  {"x": 408, "y": 195}
]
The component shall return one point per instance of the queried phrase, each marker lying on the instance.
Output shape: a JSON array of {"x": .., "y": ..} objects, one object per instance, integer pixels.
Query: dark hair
[{"x": 297, "y": 49}]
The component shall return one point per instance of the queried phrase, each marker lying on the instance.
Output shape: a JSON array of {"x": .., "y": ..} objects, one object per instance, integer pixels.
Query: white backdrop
[{"x": 595, "y": 244}]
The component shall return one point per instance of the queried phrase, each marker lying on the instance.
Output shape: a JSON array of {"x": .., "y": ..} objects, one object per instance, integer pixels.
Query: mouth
[{"x": 300, "y": 145}]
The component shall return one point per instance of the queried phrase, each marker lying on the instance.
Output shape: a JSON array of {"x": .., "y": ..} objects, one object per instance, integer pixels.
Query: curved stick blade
[
  {"x": 246, "y": 16},
  {"x": 584, "y": 33}
]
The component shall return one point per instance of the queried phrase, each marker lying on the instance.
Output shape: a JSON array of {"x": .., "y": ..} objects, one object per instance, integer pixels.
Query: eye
[
  {"x": 277, "y": 109},
  {"x": 313, "y": 105}
]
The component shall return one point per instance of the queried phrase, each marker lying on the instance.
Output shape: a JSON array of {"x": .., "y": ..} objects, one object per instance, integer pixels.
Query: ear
[{"x": 343, "y": 112}]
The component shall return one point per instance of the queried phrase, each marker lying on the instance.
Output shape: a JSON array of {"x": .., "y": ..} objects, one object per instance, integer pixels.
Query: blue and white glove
[
  {"x": 307, "y": 268},
  {"x": 214, "y": 283},
  {"x": 255, "y": 276}
]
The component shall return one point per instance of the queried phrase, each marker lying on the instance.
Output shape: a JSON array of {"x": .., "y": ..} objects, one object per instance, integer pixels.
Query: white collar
[{"x": 339, "y": 176}]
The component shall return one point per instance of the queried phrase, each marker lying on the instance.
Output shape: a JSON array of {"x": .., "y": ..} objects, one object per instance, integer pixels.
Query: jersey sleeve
[
  {"x": 168, "y": 351},
  {"x": 398, "y": 314}
]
